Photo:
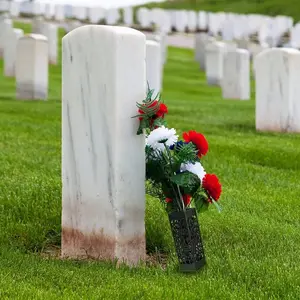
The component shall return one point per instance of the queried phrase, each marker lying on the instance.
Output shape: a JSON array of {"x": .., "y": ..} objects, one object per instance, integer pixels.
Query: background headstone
[
  {"x": 10, "y": 51},
  {"x": 277, "y": 73},
  {"x": 236, "y": 75},
  {"x": 5, "y": 27},
  {"x": 153, "y": 65},
  {"x": 214, "y": 54},
  {"x": 32, "y": 67}
]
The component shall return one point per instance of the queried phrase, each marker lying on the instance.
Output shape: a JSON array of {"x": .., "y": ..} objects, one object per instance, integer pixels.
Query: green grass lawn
[
  {"x": 267, "y": 7},
  {"x": 252, "y": 247}
]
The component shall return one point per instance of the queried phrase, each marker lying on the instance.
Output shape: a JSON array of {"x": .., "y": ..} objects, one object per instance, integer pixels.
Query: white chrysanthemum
[
  {"x": 160, "y": 136},
  {"x": 195, "y": 168}
]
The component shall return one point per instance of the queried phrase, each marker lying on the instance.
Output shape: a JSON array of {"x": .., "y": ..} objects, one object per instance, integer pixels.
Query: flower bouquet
[{"x": 176, "y": 176}]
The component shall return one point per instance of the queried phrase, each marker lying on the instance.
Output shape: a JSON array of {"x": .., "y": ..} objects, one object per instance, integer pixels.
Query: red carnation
[
  {"x": 163, "y": 109},
  {"x": 212, "y": 186},
  {"x": 186, "y": 199},
  {"x": 198, "y": 140}
]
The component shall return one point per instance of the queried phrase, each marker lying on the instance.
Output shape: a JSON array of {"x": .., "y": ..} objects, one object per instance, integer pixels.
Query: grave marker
[
  {"x": 10, "y": 51},
  {"x": 32, "y": 67},
  {"x": 277, "y": 73},
  {"x": 236, "y": 75},
  {"x": 103, "y": 160}
]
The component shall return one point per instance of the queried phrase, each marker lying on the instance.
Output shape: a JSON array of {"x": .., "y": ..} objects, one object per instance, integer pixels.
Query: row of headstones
[
  {"x": 277, "y": 71},
  {"x": 27, "y": 57},
  {"x": 230, "y": 25}
]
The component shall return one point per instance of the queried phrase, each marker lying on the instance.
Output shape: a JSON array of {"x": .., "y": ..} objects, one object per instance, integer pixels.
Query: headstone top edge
[
  {"x": 106, "y": 28},
  {"x": 278, "y": 50},
  {"x": 35, "y": 36}
]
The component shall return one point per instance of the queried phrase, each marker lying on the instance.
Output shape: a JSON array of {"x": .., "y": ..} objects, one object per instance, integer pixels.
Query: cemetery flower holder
[
  {"x": 177, "y": 178},
  {"x": 187, "y": 239}
]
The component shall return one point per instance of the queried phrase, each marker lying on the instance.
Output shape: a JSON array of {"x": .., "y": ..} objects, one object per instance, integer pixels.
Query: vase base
[{"x": 190, "y": 268}]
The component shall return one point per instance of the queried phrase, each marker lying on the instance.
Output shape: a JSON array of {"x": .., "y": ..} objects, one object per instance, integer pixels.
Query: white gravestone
[
  {"x": 4, "y": 6},
  {"x": 128, "y": 16},
  {"x": 277, "y": 74},
  {"x": 161, "y": 38},
  {"x": 32, "y": 67},
  {"x": 192, "y": 21},
  {"x": 14, "y": 9},
  {"x": 49, "y": 11},
  {"x": 143, "y": 17},
  {"x": 80, "y": 13},
  {"x": 214, "y": 54},
  {"x": 153, "y": 65},
  {"x": 201, "y": 40},
  {"x": 10, "y": 51},
  {"x": 103, "y": 160},
  {"x": 37, "y": 25},
  {"x": 202, "y": 20},
  {"x": 112, "y": 16},
  {"x": 181, "y": 20},
  {"x": 59, "y": 13},
  {"x": 96, "y": 14},
  {"x": 5, "y": 28},
  {"x": 236, "y": 75},
  {"x": 51, "y": 32}
]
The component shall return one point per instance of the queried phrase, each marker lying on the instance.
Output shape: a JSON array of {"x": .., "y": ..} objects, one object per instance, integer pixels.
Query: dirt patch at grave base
[{"x": 152, "y": 260}]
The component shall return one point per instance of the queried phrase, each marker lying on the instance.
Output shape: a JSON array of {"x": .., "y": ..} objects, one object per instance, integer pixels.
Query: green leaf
[
  {"x": 159, "y": 122},
  {"x": 201, "y": 203},
  {"x": 186, "y": 179}
]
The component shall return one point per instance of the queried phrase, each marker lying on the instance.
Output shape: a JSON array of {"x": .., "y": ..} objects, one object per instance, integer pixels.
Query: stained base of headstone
[
  {"x": 31, "y": 92},
  {"x": 76, "y": 245}
]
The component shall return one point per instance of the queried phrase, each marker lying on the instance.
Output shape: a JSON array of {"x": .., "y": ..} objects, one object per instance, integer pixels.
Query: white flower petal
[
  {"x": 195, "y": 168},
  {"x": 160, "y": 136}
]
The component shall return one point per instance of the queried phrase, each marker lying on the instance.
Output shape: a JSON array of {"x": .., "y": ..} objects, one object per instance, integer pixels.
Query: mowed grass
[{"x": 252, "y": 247}]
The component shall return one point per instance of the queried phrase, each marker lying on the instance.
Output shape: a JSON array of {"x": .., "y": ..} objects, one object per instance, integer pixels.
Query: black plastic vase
[{"x": 187, "y": 238}]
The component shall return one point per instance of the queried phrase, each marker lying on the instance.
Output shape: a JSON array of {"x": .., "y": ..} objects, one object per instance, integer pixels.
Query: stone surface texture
[
  {"x": 103, "y": 160},
  {"x": 10, "y": 52},
  {"x": 6, "y": 26},
  {"x": 214, "y": 54},
  {"x": 51, "y": 32},
  {"x": 278, "y": 90},
  {"x": 32, "y": 67},
  {"x": 153, "y": 65},
  {"x": 236, "y": 75}
]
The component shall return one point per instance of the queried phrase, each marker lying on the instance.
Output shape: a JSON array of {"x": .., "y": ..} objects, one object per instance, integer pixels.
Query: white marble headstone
[
  {"x": 112, "y": 16},
  {"x": 236, "y": 75},
  {"x": 10, "y": 50},
  {"x": 59, "y": 13},
  {"x": 37, "y": 25},
  {"x": 49, "y": 11},
  {"x": 201, "y": 40},
  {"x": 181, "y": 20},
  {"x": 192, "y": 21},
  {"x": 14, "y": 9},
  {"x": 277, "y": 74},
  {"x": 143, "y": 17},
  {"x": 103, "y": 160},
  {"x": 128, "y": 16},
  {"x": 32, "y": 67},
  {"x": 153, "y": 65},
  {"x": 51, "y": 32},
  {"x": 5, "y": 27},
  {"x": 214, "y": 54},
  {"x": 202, "y": 20},
  {"x": 96, "y": 14}
]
